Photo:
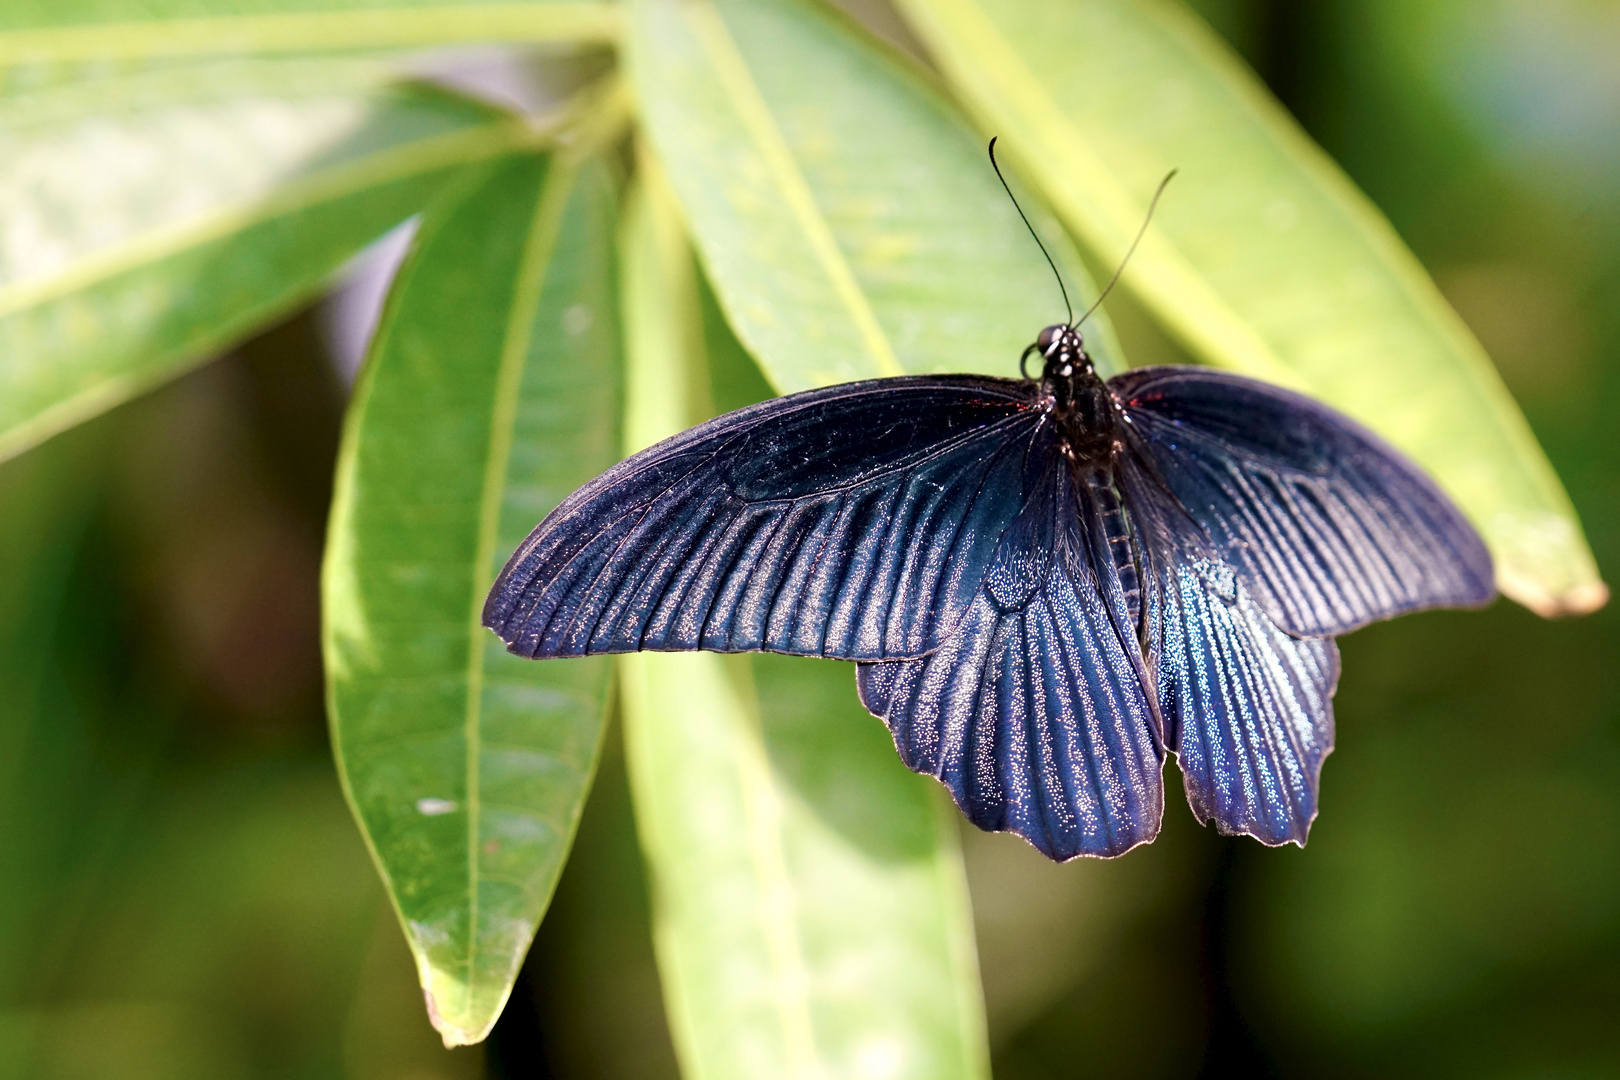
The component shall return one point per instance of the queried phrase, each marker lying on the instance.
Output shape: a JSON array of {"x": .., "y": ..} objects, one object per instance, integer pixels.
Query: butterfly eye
[{"x": 1051, "y": 336}]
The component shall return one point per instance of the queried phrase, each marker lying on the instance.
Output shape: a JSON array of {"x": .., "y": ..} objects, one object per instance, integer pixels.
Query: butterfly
[{"x": 1048, "y": 585}]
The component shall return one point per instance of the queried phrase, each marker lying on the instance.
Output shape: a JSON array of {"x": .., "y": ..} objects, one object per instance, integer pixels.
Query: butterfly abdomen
[
  {"x": 1091, "y": 422},
  {"x": 1120, "y": 544}
]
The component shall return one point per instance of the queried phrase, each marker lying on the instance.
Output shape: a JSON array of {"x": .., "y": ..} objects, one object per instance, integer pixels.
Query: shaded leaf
[
  {"x": 811, "y": 916},
  {"x": 1263, "y": 257},
  {"x": 137, "y": 238},
  {"x": 848, "y": 218},
  {"x": 491, "y": 393}
]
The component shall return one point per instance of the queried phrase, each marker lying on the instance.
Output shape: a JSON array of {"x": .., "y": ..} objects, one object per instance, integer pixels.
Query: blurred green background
[{"x": 184, "y": 894}]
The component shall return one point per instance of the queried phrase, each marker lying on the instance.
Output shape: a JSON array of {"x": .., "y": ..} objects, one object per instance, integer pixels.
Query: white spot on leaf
[
  {"x": 576, "y": 319},
  {"x": 1281, "y": 214}
]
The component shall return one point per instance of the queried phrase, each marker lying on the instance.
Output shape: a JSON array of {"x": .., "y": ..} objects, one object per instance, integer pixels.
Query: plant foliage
[{"x": 734, "y": 189}]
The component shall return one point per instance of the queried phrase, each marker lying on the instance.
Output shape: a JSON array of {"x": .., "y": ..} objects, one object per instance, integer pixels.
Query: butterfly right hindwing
[{"x": 1247, "y": 707}]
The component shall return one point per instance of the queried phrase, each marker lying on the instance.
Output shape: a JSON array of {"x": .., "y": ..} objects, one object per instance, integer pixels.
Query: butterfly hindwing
[
  {"x": 1328, "y": 527},
  {"x": 1247, "y": 707},
  {"x": 853, "y": 522},
  {"x": 1033, "y": 712}
]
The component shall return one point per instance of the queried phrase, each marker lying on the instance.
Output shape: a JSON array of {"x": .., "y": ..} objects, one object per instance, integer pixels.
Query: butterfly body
[
  {"x": 1048, "y": 584},
  {"x": 1093, "y": 426},
  {"x": 1077, "y": 400}
]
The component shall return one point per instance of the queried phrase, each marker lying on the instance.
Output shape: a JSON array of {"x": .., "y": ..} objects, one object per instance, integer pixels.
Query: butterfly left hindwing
[
  {"x": 1247, "y": 707},
  {"x": 1034, "y": 712}
]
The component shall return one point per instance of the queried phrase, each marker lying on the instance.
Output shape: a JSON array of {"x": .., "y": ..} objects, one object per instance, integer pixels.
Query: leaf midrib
[
  {"x": 762, "y": 813},
  {"x": 356, "y": 174},
  {"x": 755, "y": 113},
  {"x": 526, "y": 298}
]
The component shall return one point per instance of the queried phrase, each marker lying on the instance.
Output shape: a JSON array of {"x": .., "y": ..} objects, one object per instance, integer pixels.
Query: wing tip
[
  {"x": 1124, "y": 831},
  {"x": 496, "y": 617},
  {"x": 1059, "y": 849}
]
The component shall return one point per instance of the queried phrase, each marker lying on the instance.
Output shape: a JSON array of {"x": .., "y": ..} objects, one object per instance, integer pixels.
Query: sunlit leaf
[
  {"x": 52, "y": 31},
  {"x": 847, "y": 216},
  {"x": 490, "y": 394},
  {"x": 1263, "y": 257},
  {"x": 146, "y": 223},
  {"x": 810, "y": 911}
]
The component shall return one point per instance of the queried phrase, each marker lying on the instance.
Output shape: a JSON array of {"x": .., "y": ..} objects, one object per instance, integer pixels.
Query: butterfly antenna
[
  {"x": 1132, "y": 249},
  {"x": 1068, "y": 307}
]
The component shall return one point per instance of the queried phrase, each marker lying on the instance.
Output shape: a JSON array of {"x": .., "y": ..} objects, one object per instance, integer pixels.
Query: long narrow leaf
[
  {"x": 54, "y": 31},
  {"x": 146, "y": 228},
  {"x": 811, "y": 917},
  {"x": 1263, "y": 257},
  {"x": 847, "y": 216},
  {"x": 489, "y": 396}
]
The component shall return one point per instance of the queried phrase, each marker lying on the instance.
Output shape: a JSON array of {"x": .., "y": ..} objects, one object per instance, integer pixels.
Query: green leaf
[
  {"x": 810, "y": 910},
  {"x": 491, "y": 393},
  {"x": 848, "y": 218},
  {"x": 54, "y": 31},
  {"x": 147, "y": 223},
  {"x": 1264, "y": 257}
]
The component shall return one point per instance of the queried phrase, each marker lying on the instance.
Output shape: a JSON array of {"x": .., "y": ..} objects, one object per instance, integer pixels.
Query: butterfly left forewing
[{"x": 1329, "y": 527}]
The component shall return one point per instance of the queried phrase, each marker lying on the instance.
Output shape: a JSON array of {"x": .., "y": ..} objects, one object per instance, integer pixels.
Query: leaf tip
[
  {"x": 1581, "y": 599},
  {"x": 453, "y": 1034}
]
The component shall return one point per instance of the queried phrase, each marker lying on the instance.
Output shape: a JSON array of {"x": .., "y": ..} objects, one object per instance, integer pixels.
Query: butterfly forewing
[
  {"x": 1328, "y": 527},
  {"x": 853, "y": 522}
]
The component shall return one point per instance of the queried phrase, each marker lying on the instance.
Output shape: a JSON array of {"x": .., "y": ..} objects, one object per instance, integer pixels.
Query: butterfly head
[
  {"x": 1063, "y": 353},
  {"x": 1072, "y": 392}
]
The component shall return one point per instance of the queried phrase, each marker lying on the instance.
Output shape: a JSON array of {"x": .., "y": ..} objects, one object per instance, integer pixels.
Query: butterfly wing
[
  {"x": 1247, "y": 707},
  {"x": 855, "y": 521},
  {"x": 1033, "y": 712},
  {"x": 1328, "y": 527}
]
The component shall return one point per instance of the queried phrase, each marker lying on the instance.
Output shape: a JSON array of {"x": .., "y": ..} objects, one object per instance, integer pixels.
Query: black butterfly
[{"x": 1047, "y": 584}]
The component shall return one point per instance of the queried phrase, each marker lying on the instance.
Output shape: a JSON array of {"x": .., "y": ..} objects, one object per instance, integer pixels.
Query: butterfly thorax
[{"x": 1077, "y": 398}]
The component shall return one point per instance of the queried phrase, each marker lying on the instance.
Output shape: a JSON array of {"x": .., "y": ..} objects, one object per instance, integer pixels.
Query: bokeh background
[{"x": 183, "y": 893}]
